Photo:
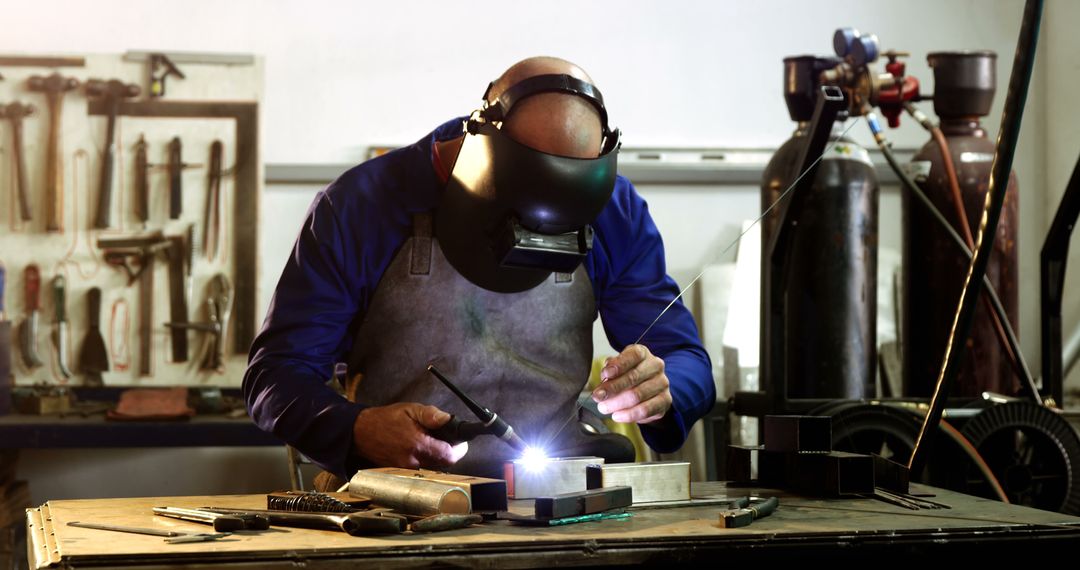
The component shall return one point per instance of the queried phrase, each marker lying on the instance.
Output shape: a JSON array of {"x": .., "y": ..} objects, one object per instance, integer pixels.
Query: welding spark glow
[{"x": 533, "y": 459}]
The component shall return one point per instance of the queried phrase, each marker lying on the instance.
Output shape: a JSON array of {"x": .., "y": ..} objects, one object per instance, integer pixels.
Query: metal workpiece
[
  {"x": 652, "y": 482},
  {"x": 486, "y": 495},
  {"x": 531, "y": 478},
  {"x": 798, "y": 433},
  {"x": 583, "y": 502},
  {"x": 832, "y": 474},
  {"x": 410, "y": 495}
]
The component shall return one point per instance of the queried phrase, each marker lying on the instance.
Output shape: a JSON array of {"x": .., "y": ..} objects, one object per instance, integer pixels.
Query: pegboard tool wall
[{"x": 73, "y": 253}]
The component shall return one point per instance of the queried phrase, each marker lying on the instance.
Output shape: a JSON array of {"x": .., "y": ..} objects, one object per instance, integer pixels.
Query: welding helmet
[{"x": 511, "y": 215}]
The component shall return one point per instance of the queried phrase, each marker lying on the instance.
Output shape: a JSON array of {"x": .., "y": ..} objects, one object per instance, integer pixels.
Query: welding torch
[{"x": 456, "y": 430}]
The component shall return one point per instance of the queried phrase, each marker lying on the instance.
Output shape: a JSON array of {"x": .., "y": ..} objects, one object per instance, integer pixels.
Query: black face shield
[{"x": 512, "y": 214}]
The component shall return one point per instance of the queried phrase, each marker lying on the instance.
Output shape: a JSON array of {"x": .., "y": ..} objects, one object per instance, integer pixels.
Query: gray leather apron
[{"x": 525, "y": 355}]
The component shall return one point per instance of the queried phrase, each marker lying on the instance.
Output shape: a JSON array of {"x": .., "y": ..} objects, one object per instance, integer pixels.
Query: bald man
[{"x": 488, "y": 248}]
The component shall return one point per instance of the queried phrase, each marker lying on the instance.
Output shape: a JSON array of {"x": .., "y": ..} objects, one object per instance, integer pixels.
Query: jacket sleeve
[
  {"x": 632, "y": 290},
  {"x": 306, "y": 331}
]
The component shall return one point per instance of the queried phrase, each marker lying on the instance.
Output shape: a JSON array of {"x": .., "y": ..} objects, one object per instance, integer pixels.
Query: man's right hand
[{"x": 397, "y": 436}]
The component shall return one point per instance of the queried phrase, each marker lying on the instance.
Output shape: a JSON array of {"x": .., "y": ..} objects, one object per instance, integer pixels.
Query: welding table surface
[{"x": 678, "y": 534}]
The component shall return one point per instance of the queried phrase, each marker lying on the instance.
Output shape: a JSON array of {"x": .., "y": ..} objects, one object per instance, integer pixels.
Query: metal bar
[
  {"x": 773, "y": 361},
  {"x": 409, "y": 495},
  {"x": 1008, "y": 136},
  {"x": 1052, "y": 262},
  {"x": 798, "y": 433},
  {"x": 583, "y": 503},
  {"x": 193, "y": 57},
  {"x": 652, "y": 482}
]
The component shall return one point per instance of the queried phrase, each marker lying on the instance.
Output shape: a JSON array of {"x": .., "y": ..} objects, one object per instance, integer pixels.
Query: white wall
[{"x": 342, "y": 75}]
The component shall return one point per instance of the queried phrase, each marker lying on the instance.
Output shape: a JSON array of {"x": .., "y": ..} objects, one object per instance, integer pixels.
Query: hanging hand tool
[
  {"x": 219, "y": 308},
  {"x": 176, "y": 166},
  {"x": 29, "y": 329},
  {"x": 112, "y": 92},
  {"x": 94, "y": 357},
  {"x": 142, "y": 182},
  {"x": 212, "y": 219},
  {"x": 178, "y": 307},
  {"x": 161, "y": 67},
  {"x": 15, "y": 112},
  {"x": 743, "y": 511},
  {"x": 54, "y": 87},
  {"x": 5, "y": 339},
  {"x": 456, "y": 431},
  {"x": 171, "y": 536},
  {"x": 59, "y": 292},
  {"x": 143, "y": 248}
]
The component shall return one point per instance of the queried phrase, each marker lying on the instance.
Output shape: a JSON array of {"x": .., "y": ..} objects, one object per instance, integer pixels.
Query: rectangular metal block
[
  {"x": 832, "y": 474},
  {"x": 798, "y": 433},
  {"x": 486, "y": 494},
  {"x": 740, "y": 461},
  {"x": 890, "y": 475},
  {"x": 652, "y": 481},
  {"x": 529, "y": 479},
  {"x": 774, "y": 468},
  {"x": 583, "y": 503}
]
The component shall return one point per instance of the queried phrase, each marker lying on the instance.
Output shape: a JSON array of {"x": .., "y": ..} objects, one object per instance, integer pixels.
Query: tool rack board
[
  {"x": 800, "y": 526},
  {"x": 213, "y": 102}
]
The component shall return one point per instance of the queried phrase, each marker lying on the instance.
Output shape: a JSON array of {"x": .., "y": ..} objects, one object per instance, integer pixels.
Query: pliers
[{"x": 742, "y": 512}]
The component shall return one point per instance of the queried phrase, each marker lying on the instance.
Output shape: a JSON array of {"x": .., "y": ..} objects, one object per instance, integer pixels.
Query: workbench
[{"x": 837, "y": 528}]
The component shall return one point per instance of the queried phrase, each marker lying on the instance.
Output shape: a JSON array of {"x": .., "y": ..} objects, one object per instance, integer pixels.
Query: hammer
[
  {"x": 54, "y": 87},
  {"x": 15, "y": 113},
  {"x": 112, "y": 91}
]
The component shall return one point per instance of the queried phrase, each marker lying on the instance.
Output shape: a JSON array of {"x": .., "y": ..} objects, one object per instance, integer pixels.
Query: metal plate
[
  {"x": 651, "y": 482},
  {"x": 526, "y": 479}
]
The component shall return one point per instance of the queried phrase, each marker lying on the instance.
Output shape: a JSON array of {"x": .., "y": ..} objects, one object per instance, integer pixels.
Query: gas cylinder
[
  {"x": 933, "y": 268},
  {"x": 830, "y": 349}
]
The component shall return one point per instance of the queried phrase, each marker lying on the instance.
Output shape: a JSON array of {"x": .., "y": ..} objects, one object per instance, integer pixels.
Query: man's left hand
[{"x": 633, "y": 387}]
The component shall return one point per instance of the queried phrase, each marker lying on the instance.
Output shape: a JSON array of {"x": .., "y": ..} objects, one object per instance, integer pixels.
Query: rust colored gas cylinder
[
  {"x": 830, "y": 349},
  {"x": 934, "y": 270}
]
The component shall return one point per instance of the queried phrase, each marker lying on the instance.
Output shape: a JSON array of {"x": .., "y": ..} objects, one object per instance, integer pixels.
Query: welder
[{"x": 487, "y": 248}]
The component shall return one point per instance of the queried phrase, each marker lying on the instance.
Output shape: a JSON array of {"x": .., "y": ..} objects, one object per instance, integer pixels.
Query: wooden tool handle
[
  {"x": 54, "y": 174},
  {"x": 104, "y": 207},
  {"x": 32, "y": 278},
  {"x": 93, "y": 304},
  {"x": 22, "y": 185}
]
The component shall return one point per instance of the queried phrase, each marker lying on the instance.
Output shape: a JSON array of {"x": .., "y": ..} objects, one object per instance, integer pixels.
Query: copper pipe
[{"x": 965, "y": 230}]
